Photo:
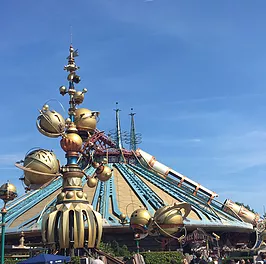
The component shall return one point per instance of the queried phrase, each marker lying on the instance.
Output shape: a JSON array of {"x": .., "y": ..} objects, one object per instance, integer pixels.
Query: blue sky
[{"x": 194, "y": 71}]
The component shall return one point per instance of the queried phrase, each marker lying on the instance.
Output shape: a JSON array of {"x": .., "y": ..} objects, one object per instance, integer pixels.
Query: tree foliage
[
  {"x": 162, "y": 257},
  {"x": 115, "y": 249}
]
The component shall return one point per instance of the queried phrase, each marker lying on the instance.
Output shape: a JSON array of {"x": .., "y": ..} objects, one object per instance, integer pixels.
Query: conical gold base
[{"x": 72, "y": 225}]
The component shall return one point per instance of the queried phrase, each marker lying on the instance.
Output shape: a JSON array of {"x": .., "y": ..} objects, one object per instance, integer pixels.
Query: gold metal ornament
[
  {"x": 39, "y": 166},
  {"x": 104, "y": 173},
  {"x": 57, "y": 224},
  {"x": 71, "y": 142},
  {"x": 169, "y": 219},
  {"x": 92, "y": 182},
  {"x": 50, "y": 123},
  {"x": 139, "y": 220},
  {"x": 8, "y": 192},
  {"x": 72, "y": 223},
  {"x": 78, "y": 97},
  {"x": 85, "y": 119}
]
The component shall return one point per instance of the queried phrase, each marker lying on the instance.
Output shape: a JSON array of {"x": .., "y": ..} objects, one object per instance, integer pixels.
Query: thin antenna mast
[{"x": 71, "y": 35}]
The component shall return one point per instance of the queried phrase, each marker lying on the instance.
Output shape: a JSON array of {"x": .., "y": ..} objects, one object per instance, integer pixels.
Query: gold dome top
[
  {"x": 8, "y": 187},
  {"x": 86, "y": 119},
  {"x": 140, "y": 217},
  {"x": 8, "y": 192}
]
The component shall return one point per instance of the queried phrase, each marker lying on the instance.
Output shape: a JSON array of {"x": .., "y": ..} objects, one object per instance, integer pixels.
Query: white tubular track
[{"x": 165, "y": 171}]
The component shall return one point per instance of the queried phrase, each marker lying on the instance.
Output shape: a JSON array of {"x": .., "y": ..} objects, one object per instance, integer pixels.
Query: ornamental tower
[{"x": 72, "y": 224}]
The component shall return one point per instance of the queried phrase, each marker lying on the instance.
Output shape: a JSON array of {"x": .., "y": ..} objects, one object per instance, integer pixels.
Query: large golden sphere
[
  {"x": 140, "y": 219},
  {"x": 50, "y": 123},
  {"x": 8, "y": 192},
  {"x": 85, "y": 119},
  {"x": 104, "y": 173},
  {"x": 169, "y": 221},
  {"x": 71, "y": 142},
  {"x": 43, "y": 161},
  {"x": 92, "y": 182}
]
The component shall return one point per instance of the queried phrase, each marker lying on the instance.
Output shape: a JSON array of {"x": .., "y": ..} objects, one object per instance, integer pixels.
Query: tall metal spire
[
  {"x": 134, "y": 138},
  {"x": 118, "y": 128},
  {"x": 132, "y": 144}
]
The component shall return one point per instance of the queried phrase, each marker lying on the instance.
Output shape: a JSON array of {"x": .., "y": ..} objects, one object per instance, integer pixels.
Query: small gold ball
[
  {"x": 85, "y": 196},
  {"x": 92, "y": 182},
  {"x": 70, "y": 195},
  {"x": 61, "y": 196},
  {"x": 68, "y": 121},
  {"x": 84, "y": 90},
  {"x": 80, "y": 194},
  {"x": 45, "y": 107},
  {"x": 78, "y": 97},
  {"x": 62, "y": 89},
  {"x": 122, "y": 217}
]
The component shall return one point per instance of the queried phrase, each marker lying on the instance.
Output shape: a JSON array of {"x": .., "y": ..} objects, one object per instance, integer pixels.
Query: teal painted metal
[
  {"x": 110, "y": 199},
  {"x": 33, "y": 198},
  {"x": 102, "y": 198},
  {"x": 113, "y": 196},
  {"x": 147, "y": 196},
  {"x": 119, "y": 144},
  {"x": 3, "y": 236},
  {"x": 133, "y": 143},
  {"x": 96, "y": 196}
]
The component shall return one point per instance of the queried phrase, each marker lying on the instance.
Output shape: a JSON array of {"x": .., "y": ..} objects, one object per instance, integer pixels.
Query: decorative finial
[{"x": 76, "y": 97}]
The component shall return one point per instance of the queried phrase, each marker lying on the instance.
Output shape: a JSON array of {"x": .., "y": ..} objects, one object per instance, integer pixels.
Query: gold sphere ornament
[
  {"x": 122, "y": 217},
  {"x": 40, "y": 166},
  {"x": 50, "y": 123},
  {"x": 104, "y": 173},
  {"x": 68, "y": 121},
  {"x": 63, "y": 90},
  {"x": 79, "y": 194},
  {"x": 8, "y": 192},
  {"x": 45, "y": 107},
  {"x": 71, "y": 142},
  {"x": 78, "y": 97},
  {"x": 92, "y": 182},
  {"x": 70, "y": 195},
  {"x": 139, "y": 220},
  {"x": 61, "y": 196},
  {"x": 85, "y": 119},
  {"x": 169, "y": 219},
  {"x": 169, "y": 222}
]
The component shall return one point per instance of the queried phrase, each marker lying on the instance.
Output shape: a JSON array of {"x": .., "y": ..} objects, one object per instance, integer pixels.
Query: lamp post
[{"x": 7, "y": 193}]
